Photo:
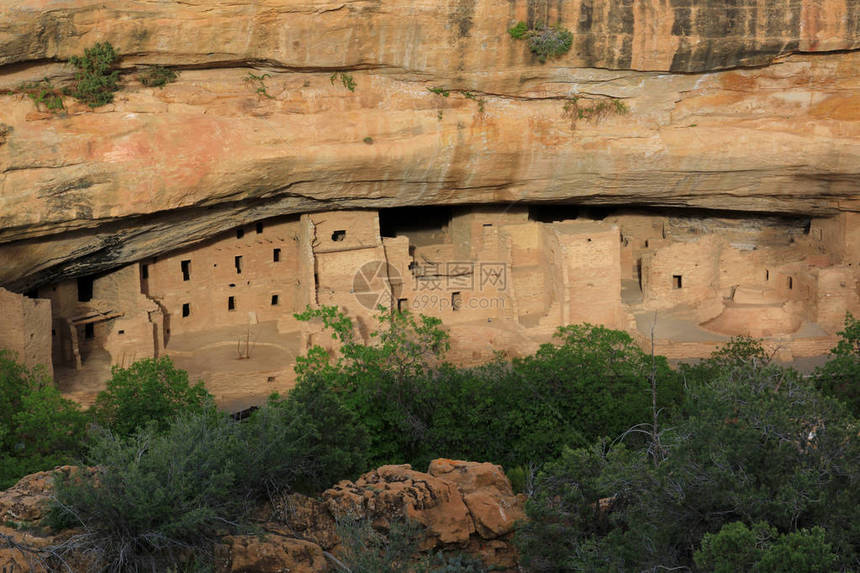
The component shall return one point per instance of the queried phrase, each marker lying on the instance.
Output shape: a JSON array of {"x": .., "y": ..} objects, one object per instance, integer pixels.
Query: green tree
[
  {"x": 762, "y": 549},
  {"x": 416, "y": 407},
  {"x": 39, "y": 429},
  {"x": 150, "y": 390},
  {"x": 758, "y": 443},
  {"x": 840, "y": 377}
]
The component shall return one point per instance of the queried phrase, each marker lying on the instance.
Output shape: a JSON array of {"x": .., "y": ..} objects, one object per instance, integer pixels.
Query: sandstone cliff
[{"x": 732, "y": 105}]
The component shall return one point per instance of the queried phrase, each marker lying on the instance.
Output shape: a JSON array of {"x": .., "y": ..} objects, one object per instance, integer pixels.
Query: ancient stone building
[{"x": 502, "y": 278}]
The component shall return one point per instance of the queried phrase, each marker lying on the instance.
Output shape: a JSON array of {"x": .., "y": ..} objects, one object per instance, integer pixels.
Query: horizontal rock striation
[{"x": 84, "y": 190}]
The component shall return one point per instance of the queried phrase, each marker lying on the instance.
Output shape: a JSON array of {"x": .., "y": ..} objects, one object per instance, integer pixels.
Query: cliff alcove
[{"x": 414, "y": 154}]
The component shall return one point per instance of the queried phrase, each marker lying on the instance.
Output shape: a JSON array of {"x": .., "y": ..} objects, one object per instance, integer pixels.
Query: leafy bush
[
  {"x": 550, "y": 42},
  {"x": 759, "y": 444},
  {"x": 763, "y": 550},
  {"x": 161, "y": 498},
  {"x": 840, "y": 377},
  {"x": 519, "y": 31},
  {"x": 544, "y": 41},
  {"x": 158, "y": 76},
  {"x": 95, "y": 83},
  {"x": 415, "y": 407},
  {"x": 150, "y": 390},
  {"x": 39, "y": 429},
  {"x": 158, "y": 497}
]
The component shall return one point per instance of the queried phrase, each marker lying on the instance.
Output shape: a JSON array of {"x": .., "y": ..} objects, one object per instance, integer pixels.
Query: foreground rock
[{"x": 464, "y": 507}]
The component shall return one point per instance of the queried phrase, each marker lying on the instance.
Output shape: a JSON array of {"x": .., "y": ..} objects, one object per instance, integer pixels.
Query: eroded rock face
[
  {"x": 464, "y": 506},
  {"x": 486, "y": 492},
  {"x": 268, "y": 554},
  {"x": 89, "y": 190},
  {"x": 399, "y": 492}
]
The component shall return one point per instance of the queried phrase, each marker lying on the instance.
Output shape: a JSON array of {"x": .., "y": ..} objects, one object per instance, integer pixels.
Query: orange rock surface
[{"x": 87, "y": 190}]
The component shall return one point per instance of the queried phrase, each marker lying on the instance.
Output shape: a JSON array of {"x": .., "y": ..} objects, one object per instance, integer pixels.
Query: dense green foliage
[
  {"x": 150, "y": 390},
  {"x": 159, "y": 498},
  {"x": 840, "y": 377},
  {"x": 415, "y": 407},
  {"x": 764, "y": 550},
  {"x": 751, "y": 467},
  {"x": 756, "y": 443},
  {"x": 39, "y": 429},
  {"x": 95, "y": 82}
]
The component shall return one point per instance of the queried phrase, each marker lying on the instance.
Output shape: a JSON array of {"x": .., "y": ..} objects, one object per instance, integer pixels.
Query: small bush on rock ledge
[
  {"x": 544, "y": 41},
  {"x": 95, "y": 83}
]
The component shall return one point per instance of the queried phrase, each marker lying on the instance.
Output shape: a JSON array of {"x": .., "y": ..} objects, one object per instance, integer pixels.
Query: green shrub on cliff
[
  {"x": 39, "y": 429},
  {"x": 544, "y": 41},
  {"x": 95, "y": 82}
]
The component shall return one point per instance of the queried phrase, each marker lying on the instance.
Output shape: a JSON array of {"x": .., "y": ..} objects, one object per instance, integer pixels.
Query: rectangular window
[
  {"x": 259, "y": 228},
  {"x": 676, "y": 281},
  {"x": 89, "y": 330},
  {"x": 766, "y": 275},
  {"x": 144, "y": 271},
  {"x": 276, "y": 255},
  {"x": 186, "y": 270},
  {"x": 85, "y": 289},
  {"x": 338, "y": 236},
  {"x": 186, "y": 309},
  {"x": 240, "y": 232},
  {"x": 238, "y": 262},
  {"x": 790, "y": 283},
  {"x": 456, "y": 300},
  {"x": 231, "y": 303},
  {"x": 274, "y": 300},
  {"x": 402, "y": 304}
]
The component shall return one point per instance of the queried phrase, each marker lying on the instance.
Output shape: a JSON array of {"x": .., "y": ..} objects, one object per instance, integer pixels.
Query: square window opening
[
  {"x": 259, "y": 228},
  {"x": 274, "y": 300},
  {"x": 240, "y": 233},
  {"x": 677, "y": 281}
]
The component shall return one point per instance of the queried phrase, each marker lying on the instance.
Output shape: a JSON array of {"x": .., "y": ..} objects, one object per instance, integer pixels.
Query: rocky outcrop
[
  {"x": 463, "y": 506},
  {"x": 88, "y": 190}
]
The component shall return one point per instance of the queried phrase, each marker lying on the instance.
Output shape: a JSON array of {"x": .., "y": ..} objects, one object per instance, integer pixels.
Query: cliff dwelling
[{"x": 501, "y": 277}]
